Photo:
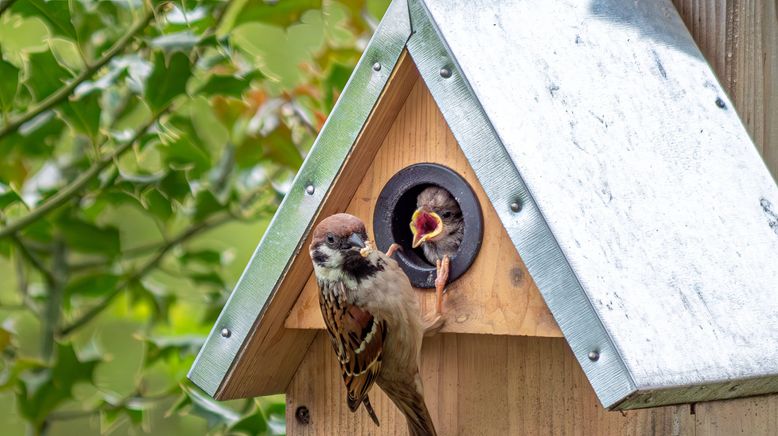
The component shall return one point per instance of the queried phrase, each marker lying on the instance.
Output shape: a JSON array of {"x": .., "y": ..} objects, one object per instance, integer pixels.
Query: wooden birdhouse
[{"x": 622, "y": 241}]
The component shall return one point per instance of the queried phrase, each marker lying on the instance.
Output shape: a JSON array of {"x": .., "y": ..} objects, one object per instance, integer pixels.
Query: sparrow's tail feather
[
  {"x": 411, "y": 404},
  {"x": 370, "y": 411}
]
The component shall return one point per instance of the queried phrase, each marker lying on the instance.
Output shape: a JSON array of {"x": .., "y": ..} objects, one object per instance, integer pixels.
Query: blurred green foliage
[{"x": 145, "y": 145}]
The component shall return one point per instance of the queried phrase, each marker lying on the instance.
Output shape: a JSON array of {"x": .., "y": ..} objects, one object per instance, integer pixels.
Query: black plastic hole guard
[{"x": 395, "y": 206}]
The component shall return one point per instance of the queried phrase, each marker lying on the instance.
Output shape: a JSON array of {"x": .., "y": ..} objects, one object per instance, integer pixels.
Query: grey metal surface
[
  {"x": 664, "y": 255},
  {"x": 289, "y": 227},
  {"x": 524, "y": 224}
]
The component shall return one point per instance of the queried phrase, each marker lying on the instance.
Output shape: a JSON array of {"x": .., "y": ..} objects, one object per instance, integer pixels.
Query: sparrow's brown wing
[{"x": 358, "y": 339}]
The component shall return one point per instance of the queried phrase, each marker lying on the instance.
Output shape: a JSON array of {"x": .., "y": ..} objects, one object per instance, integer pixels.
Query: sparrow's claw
[
  {"x": 440, "y": 282},
  {"x": 392, "y": 249},
  {"x": 432, "y": 327}
]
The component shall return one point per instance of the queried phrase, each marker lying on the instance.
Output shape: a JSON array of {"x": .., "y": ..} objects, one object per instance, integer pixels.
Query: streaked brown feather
[{"x": 357, "y": 338}]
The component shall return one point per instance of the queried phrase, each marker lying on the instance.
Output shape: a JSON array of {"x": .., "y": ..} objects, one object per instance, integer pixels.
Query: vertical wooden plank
[
  {"x": 480, "y": 385},
  {"x": 740, "y": 40},
  {"x": 745, "y": 416}
]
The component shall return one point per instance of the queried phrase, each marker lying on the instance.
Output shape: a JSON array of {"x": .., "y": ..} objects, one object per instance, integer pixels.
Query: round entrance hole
[{"x": 395, "y": 207}]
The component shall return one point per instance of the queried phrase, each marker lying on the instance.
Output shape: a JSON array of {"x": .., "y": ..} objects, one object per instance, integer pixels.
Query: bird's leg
[
  {"x": 440, "y": 282},
  {"x": 392, "y": 249}
]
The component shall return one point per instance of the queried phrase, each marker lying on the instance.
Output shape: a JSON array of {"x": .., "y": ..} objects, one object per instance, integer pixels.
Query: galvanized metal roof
[{"x": 648, "y": 218}]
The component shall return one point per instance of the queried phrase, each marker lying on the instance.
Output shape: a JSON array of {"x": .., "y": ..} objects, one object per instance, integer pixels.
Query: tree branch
[
  {"x": 61, "y": 94},
  {"x": 52, "y": 310},
  {"x": 76, "y": 185},
  {"x": 146, "y": 268},
  {"x": 33, "y": 260}
]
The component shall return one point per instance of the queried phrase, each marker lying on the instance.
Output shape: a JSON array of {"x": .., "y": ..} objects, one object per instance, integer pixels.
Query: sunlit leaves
[
  {"x": 55, "y": 13},
  {"x": 83, "y": 114},
  {"x": 281, "y": 14},
  {"x": 167, "y": 80}
]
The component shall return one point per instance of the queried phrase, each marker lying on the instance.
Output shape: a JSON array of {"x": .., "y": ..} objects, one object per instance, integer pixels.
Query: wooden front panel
[
  {"x": 740, "y": 40},
  {"x": 480, "y": 385},
  {"x": 496, "y": 295}
]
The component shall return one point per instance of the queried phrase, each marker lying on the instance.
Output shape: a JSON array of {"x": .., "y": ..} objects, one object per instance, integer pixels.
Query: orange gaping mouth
[{"x": 425, "y": 226}]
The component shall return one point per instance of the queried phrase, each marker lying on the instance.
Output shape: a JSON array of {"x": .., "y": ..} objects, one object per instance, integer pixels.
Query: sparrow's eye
[
  {"x": 330, "y": 239},
  {"x": 446, "y": 215}
]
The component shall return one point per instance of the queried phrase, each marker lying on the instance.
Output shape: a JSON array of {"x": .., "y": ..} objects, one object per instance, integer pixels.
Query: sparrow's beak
[
  {"x": 425, "y": 226},
  {"x": 355, "y": 240}
]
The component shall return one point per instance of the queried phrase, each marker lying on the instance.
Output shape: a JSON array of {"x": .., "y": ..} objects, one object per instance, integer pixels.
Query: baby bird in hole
[
  {"x": 438, "y": 226},
  {"x": 373, "y": 319}
]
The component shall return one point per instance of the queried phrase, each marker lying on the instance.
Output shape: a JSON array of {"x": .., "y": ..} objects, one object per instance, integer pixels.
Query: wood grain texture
[
  {"x": 270, "y": 355},
  {"x": 479, "y": 385},
  {"x": 740, "y": 40},
  {"x": 496, "y": 295}
]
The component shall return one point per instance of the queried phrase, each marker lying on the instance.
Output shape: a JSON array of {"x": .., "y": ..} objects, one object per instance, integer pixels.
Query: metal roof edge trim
[
  {"x": 527, "y": 228},
  {"x": 284, "y": 236}
]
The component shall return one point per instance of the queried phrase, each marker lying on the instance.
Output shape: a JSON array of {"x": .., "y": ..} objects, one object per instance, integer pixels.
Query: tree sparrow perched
[
  {"x": 438, "y": 226},
  {"x": 373, "y": 319}
]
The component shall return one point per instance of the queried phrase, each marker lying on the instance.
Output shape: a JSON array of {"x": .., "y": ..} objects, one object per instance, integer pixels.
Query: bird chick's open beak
[{"x": 425, "y": 226}]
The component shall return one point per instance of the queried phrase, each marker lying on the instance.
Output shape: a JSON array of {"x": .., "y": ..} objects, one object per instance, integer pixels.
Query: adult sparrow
[
  {"x": 437, "y": 226},
  {"x": 373, "y": 319}
]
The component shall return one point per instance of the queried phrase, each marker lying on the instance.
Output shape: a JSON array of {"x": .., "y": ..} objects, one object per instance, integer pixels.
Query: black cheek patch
[
  {"x": 359, "y": 267},
  {"x": 319, "y": 258}
]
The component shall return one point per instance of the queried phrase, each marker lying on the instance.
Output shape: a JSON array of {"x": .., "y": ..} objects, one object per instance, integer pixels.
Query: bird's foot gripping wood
[
  {"x": 442, "y": 267},
  {"x": 392, "y": 249}
]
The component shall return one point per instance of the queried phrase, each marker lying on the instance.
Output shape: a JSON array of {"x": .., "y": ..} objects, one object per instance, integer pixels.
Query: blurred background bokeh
[{"x": 144, "y": 146}]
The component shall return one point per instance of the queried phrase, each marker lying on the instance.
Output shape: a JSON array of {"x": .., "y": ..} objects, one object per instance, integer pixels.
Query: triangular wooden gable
[{"x": 495, "y": 296}]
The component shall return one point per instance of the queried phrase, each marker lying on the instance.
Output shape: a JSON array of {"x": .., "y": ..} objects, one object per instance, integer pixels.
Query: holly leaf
[
  {"x": 164, "y": 348},
  {"x": 228, "y": 85},
  {"x": 8, "y": 196},
  {"x": 44, "y": 74},
  {"x": 167, "y": 80},
  {"x": 88, "y": 238},
  {"x": 54, "y": 13},
  {"x": 83, "y": 114},
  {"x": 194, "y": 402},
  {"x": 92, "y": 285},
  {"x": 8, "y": 85},
  {"x": 206, "y": 257},
  {"x": 281, "y": 13}
]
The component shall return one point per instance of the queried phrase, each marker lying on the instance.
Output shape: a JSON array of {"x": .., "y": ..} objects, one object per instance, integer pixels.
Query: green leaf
[
  {"x": 175, "y": 186},
  {"x": 206, "y": 204},
  {"x": 159, "y": 302},
  {"x": 44, "y": 74},
  {"x": 184, "y": 153},
  {"x": 8, "y": 85},
  {"x": 206, "y": 257},
  {"x": 251, "y": 424},
  {"x": 92, "y": 285},
  {"x": 201, "y": 405},
  {"x": 89, "y": 238},
  {"x": 208, "y": 279},
  {"x": 277, "y": 147},
  {"x": 228, "y": 85},
  {"x": 162, "y": 348},
  {"x": 157, "y": 204},
  {"x": 54, "y": 13},
  {"x": 83, "y": 114},
  {"x": 42, "y": 391},
  {"x": 167, "y": 80},
  {"x": 282, "y": 13},
  {"x": 8, "y": 196}
]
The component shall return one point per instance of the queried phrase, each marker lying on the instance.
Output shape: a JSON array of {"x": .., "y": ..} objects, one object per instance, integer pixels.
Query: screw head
[
  {"x": 445, "y": 73},
  {"x": 310, "y": 189},
  {"x": 303, "y": 415},
  {"x": 720, "y": 103},
  {"x": 594, "y": 356},
  {"x": 226, "y": 333},
  {"x": 515, "y": 206},
  {"x": 377, "y": 66}
]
